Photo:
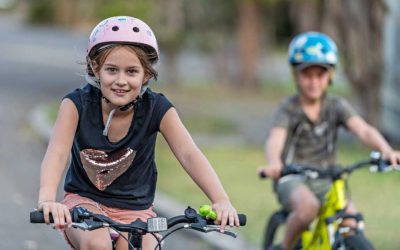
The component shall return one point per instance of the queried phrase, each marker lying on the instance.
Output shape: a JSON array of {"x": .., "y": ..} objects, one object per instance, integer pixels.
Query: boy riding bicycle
[{"x": 304, "y": 131}]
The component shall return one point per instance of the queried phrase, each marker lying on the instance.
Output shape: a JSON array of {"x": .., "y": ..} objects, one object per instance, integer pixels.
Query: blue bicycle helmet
[{"x": 313, "y": 48}]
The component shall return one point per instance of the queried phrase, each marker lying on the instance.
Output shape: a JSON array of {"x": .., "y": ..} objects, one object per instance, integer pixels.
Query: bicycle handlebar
[
  {"x": 84, "y": 219},
  {"x": 335, "y": 172}
]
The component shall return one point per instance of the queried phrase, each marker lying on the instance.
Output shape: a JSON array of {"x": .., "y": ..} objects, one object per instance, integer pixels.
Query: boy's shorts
[
  {"x": 125, "y": 216},
  {"x": 287, "y": 184}
]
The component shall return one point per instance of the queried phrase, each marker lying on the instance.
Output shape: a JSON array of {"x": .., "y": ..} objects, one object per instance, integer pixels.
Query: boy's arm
[
  {"x": 197, "y": 166},
  {"x": 275, "y": 144},
  {"x": 273, "y": 151},
  {"x": 370, "y": 136}
]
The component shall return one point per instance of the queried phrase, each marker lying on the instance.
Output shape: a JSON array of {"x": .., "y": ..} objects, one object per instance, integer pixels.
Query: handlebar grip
[
  {"x": 38, "y": 217},
  {"x": 262, "y": 175},
  {"x": 206, "y": 211},
  {"x": 242, "y": 219}
]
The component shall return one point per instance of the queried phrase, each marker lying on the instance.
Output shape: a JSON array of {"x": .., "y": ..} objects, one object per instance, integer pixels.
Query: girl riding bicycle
[
  {"x": 110, "y": 126},
  {"x": 305, "y": 129}
]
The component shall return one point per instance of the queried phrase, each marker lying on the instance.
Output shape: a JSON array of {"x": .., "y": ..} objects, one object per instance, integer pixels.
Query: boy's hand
[
  {"x": 226, "y": 214},
  {"x": 272, "y": 171},
  {"x": 393, "y": 156}
]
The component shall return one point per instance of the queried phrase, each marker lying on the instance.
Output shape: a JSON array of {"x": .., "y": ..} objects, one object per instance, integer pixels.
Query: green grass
[
  {"x": 52, "y": 111},
  {"x": 217, "y": 125},
  {"x": 375, "y": 195}
]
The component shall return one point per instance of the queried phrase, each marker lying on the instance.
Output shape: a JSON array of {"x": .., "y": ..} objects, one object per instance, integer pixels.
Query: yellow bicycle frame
[{"x": 322, "y": 237}]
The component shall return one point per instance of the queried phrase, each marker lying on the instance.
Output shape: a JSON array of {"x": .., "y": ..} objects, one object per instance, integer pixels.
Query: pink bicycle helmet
[{"x": 122, "y": 30}]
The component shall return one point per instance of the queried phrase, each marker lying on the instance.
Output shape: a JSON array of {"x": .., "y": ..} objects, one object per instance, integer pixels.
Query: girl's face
[
  {"x": 121, "y": 76},
  {"x": 312, "y": 82}
]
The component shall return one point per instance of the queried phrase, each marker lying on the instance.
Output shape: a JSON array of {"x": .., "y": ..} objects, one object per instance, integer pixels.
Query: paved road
[{"x": 37, "y": 65}]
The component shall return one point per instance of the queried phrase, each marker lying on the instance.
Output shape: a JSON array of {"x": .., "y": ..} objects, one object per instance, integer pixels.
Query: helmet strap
[
  {"x": 121, "y": 108},
  {"x": 92, "y": 80}
]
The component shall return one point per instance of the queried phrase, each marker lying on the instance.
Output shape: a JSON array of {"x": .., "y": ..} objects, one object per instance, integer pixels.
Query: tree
[
  {"x": 359, "y": 30},
  {"x": 170, "y": 35},
  {"x": 249, "y": 41},
  {"x": 259, "y": 25},
  {"x": 210, "y": 31},
  {"x": 306, "y": 14}
]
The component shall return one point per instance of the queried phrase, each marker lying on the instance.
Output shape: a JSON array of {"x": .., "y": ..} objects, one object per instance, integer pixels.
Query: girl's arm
[
  {"x": 370, "y": 136},
  {"x": 197, "y": 166},
  {"x": 55, "y": 161}
]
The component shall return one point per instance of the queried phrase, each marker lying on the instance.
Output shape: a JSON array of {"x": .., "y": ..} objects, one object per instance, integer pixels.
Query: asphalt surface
[{"x": 37, "y": 65}]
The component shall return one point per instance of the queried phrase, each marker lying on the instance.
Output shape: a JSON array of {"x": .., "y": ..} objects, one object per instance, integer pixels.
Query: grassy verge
[{"x": 373, "y": 194}]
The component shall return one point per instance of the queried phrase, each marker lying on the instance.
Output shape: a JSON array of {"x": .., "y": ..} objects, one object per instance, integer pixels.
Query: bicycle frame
[{"x": 323, "y": 235}]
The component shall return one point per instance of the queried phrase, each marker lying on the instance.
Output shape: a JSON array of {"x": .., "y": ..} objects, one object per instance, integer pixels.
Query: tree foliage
[{"x": 237, "y": 34}]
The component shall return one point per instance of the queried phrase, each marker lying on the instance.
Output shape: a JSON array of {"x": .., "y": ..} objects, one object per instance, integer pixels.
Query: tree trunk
[
  {"x": 170, "y": 63},
  {"x": 306, "y": 15},
  {"x": 249, "y": 42},
  {"x": 221, "y": 61},
  {"x": 359, "y": 25},
  {"x": 170, "y": 39},
  {"x": 65, "y": 12}
]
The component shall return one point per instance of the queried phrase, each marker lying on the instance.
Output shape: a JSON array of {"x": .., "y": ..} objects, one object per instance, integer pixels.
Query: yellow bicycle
[{"x": 327, "y": 232}]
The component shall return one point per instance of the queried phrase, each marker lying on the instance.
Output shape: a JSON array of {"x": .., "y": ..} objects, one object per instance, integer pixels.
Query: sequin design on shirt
[{"x": 103, "y": 168}]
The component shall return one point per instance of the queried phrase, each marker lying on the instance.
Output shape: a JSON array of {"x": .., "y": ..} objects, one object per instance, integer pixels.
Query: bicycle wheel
[
  {"x": 357, "y": 242},
  {"x": 275, "y": 223}
]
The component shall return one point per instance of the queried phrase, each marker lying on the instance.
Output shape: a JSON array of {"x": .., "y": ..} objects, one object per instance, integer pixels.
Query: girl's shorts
[{"x": 125, "y": 216}]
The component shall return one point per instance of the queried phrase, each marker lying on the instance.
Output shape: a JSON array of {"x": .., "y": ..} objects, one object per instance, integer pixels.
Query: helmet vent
[
  {"x": 115, "y": 28},
  {"x": 135, "y": 29}
]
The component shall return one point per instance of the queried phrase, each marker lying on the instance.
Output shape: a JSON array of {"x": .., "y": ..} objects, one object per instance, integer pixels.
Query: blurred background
[{"x": 224, "y": 66}]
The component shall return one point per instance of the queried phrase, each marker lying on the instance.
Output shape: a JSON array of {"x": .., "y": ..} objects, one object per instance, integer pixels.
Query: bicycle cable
[
  {"x": 158, "y": 241},
  {"x": 130, "y": 244},
  {"x": 348, "y": 190},
  {"x": 124, "y": 237},
  {"x": 166, "y": 235},
  {"x": 111, "y": 226}
]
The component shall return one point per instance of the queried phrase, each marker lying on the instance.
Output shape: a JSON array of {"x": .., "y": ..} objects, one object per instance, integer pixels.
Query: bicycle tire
[
  {"x": 276, "y": 220},
  {"x": 357, "y": 242}
]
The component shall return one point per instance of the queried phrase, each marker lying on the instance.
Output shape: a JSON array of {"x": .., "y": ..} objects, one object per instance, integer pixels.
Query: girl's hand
[
  {"x": 59, "y": 211},
  {"x": 226, "y": 214}
]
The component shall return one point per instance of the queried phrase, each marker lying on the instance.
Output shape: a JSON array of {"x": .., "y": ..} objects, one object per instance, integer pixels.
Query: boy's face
[{"x": 312, "y": 82}]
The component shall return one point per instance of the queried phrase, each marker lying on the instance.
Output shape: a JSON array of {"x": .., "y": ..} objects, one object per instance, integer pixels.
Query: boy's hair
[
  {"x": 146, "y": 58},
  {"x": 300, "y": 67}
]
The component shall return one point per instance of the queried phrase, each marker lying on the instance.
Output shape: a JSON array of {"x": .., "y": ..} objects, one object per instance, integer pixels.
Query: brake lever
[
  {"x": 89, "y": 225},
  {"x": 81, "y": 225},
  {"x": 227, "y": 232},
  {"x": 311, "y": 174},
  {"x": 375, "y": 168},
  {"x": 211, "y": 228}
]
